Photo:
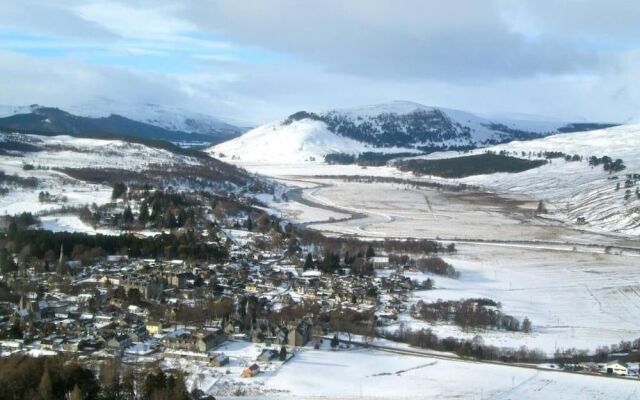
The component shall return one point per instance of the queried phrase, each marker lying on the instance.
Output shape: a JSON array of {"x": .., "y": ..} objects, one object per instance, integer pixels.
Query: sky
[{"x": 254, "y": 61}]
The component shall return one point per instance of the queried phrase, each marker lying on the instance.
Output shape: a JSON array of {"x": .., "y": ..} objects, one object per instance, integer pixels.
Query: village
[{"x": 248, "y": 313}]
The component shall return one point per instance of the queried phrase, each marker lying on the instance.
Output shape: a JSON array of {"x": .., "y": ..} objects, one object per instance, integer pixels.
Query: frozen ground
[
  {"x": 396, "y": 210},
  {"x": 365, "y": 373},
  {"x": 574, "y": 299},
  {"x": 370, "y": 374},
  {"x": 70, "y": 223},
  {"x": 541, "y": 268}
]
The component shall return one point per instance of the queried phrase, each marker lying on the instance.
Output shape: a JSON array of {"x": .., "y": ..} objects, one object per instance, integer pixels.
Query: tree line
[
  {"x": 58, "y": 377},
  {"x": 469, "y": 313}
]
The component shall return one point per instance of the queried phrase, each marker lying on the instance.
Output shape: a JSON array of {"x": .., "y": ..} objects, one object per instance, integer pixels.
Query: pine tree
[
  {"x": 128, "y": 385},
  {"x": 127, "y": 215},
  {"x": 308, "y": 263},
  {"x": 370, "y": 252},
  {"x": 143, "y": 215},
  {"x": 179, "y": 390},
  {"x": 541, "y": 208},
  {"x": 119, "y": 189},
  {"x": 335, "y": 341}
]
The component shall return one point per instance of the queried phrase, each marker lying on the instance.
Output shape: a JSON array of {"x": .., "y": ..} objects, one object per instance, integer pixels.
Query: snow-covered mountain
[
  {"x": 170, "y": 118},
  {"x": 146, "y": 121},
  {"x": 298, "y": 141},
  {"x": 576, "y": 191},
  {"x": 392, "y": 127}
]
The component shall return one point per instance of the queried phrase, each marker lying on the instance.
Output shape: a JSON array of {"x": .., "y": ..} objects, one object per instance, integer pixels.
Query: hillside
[
  {"x": 81, "y": 171},
  {"x": 578, "y": 191},
  {"x": 393, "y": 127},
  {"x": 169, "y": 118},
  {"x": 298, "y": 141},
  {"x": 162, "y": 126}
]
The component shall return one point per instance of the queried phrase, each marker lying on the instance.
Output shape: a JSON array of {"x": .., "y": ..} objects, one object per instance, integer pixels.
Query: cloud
[
  {"x": 49, "y": 18},
  {"x": 255, "y": 60},
  {"x": 460, "y": 41}
]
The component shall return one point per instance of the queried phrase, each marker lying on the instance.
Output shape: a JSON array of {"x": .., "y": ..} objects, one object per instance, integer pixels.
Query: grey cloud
[
  {"x": 49, "y": 17},
  {"x": 459, "y": 41}
]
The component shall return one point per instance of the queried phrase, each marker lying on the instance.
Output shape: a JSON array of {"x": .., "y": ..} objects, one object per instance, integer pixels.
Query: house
[
  {"x": 180, "y": 280},
  {"x": 250, "y": 372},
  {"x": 214, "y": 359},
  {"x": 299, "y": 334},
  {"x": 614, "y": 368},
  {"x": 148, "y": 288},
  {"x": 379, "y": 262},
  {"x": 154, "y": 328},
  {"x": 184, "y": 340},
  {"x": 218, "y": 359},
  {"x": 119, "y": 342},
  {"x": 207, "y": 341}
]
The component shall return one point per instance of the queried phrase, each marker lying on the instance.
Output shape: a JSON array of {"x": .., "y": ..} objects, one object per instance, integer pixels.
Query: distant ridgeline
[
  {"x": 426, "y": 130},
  {"x": 390, "y": 129},
  {"x": 57, "y": 121}
]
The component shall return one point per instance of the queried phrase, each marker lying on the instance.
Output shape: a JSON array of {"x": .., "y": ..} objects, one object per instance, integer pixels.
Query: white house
[{"x": 614, "y": 368}]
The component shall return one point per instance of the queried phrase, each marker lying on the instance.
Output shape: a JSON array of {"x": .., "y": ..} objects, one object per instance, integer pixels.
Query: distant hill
[
  {"x": 394, "y": 127},
  {"x": 575, "y": 183},
  {"x": 55, "y": 120}
]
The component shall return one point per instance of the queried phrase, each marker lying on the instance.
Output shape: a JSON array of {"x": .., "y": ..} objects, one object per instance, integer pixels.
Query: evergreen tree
[
  {"x": 129, "y": 385},
  {"x": 119, "y": 190},
  {"x": 127, "y": 216},
  {"x": 347, "y": 258},
  {"x": 143, "y": 216},
  {"x": 370, "y": 252},
  {"x": 179, "y": 388},
  {"x": 6, "y": 261},
  {"x": 182, "y": 217},
  {"x": 330, "y": 263},
  {"x": 308, "y": 263},
  {"x": 335, "y": 342}
]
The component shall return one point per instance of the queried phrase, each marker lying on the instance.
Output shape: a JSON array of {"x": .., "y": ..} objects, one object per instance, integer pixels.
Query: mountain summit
[{"x": 399, "y": 126}]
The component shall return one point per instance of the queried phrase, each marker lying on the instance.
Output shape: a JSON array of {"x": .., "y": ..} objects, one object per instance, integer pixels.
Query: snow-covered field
[
  {"x": 59, "y": 152},
  {"x": 396, "y": 210},
  {"x": 370, "y": 374},
  {"x": 350, "y": 373},
  {"x": 575, "y": 189},
  {"x": 574, "y": 299},
  {"x": 576, "y": 295}
]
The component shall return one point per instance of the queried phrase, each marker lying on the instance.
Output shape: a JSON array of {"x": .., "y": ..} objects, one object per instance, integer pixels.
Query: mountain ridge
[
  {"x": 56, "y": 120},
  {"x": 389, "y": 127}
]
